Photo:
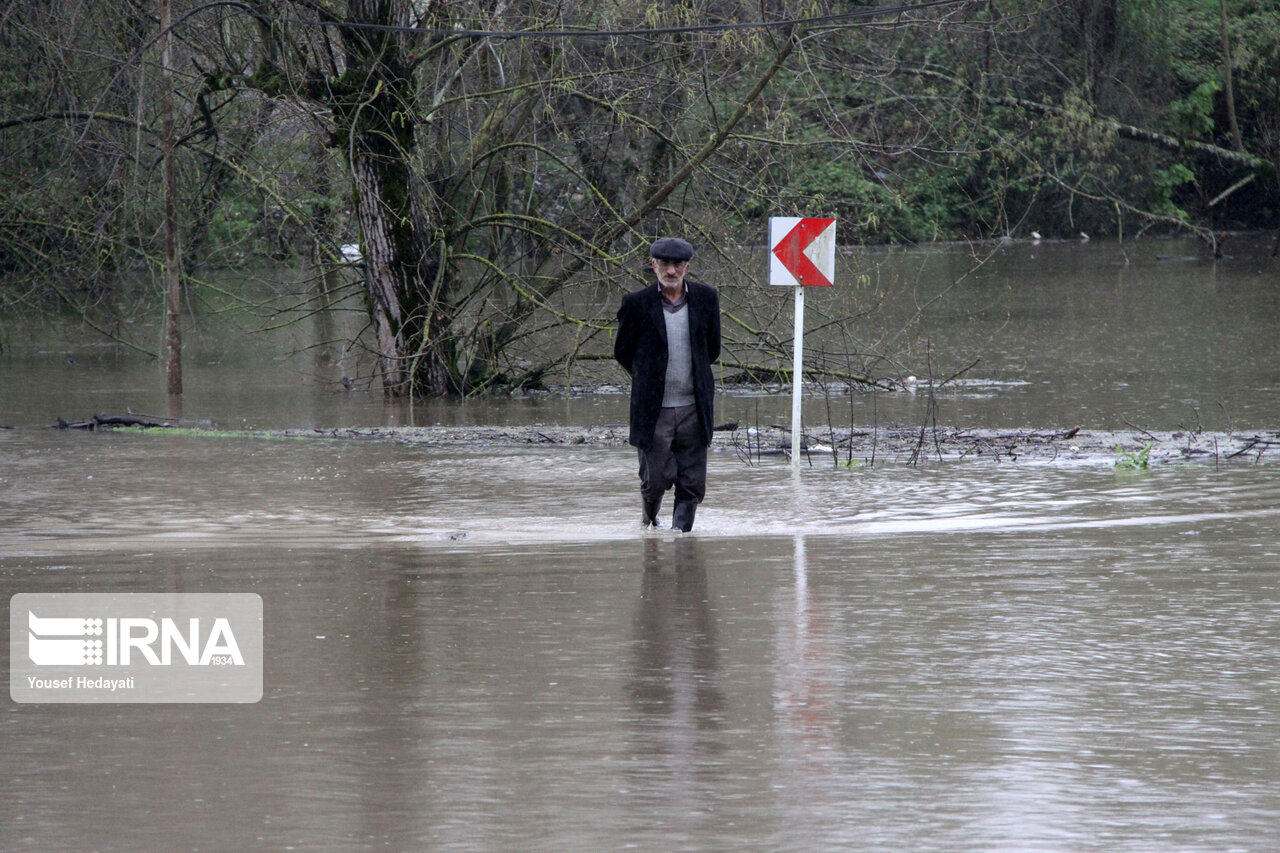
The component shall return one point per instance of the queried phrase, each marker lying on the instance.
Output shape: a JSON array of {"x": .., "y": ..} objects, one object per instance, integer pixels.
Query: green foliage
[
  {"x": 1133, "y": 460},
  {"x": 1193, "y": 115},
  {"x": 235, "y": 224},
  {"x": 1164, "y": 183},
  {"x": 843, "y": 190}
]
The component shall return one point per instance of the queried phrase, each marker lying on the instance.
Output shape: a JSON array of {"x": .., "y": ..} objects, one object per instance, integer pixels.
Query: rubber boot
[
  {"x": 651, "y": 507},
  {"x": 682, "y": 516}
]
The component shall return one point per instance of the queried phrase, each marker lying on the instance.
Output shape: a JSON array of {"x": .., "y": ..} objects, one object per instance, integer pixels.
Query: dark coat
[{"x": 641, "y": 349}]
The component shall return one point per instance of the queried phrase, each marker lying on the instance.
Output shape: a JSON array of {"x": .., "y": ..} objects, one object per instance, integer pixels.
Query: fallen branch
[
  {"x": 1139, "y": 429},
  {"x": 97, "y": 421}
]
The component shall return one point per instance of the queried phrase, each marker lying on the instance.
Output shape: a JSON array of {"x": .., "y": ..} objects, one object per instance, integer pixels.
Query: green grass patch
[{"x": 1134, "y": 460}]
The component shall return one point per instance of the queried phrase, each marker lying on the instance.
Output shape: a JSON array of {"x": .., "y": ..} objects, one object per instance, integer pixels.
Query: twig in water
[
  {"x": 1230, "y": 426},
  {"x": 1139, "y": 429},
  {"x": 831, "y": 430},
  {"x": 875, "y": 425},
  {"x": 931, "y": 410}
]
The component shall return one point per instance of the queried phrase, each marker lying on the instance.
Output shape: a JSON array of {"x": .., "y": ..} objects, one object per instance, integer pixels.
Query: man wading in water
[{"x": 668, "y": 338}]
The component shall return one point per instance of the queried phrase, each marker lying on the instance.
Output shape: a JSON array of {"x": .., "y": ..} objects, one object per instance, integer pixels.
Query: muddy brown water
[{"x": 475, "y": 648}]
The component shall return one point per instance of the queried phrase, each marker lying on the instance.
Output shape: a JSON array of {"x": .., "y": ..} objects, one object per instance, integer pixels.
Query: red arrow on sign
[{"x": 790, "y": 251}]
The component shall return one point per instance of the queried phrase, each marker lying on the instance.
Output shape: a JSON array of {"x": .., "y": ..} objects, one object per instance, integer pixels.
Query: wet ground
[{"x": 864, "y": 446}]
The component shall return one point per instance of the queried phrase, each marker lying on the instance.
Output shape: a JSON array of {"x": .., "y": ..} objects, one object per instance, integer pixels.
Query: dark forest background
[{"x": 490, "y": 159}]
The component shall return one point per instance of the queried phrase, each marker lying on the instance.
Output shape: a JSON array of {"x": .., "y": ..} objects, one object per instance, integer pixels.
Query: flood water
[{"x": 478, "y": 649}]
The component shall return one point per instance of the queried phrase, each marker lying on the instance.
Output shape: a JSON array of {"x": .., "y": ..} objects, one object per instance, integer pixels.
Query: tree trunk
[
  {"x": 1228, "y": 87},
  {"x": 172, "y": 275},
  {"x": 377, "y": 96}
]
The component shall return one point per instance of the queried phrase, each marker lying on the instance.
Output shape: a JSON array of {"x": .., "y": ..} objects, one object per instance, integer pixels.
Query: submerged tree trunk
[
  {"x": 375, "y": 111},
  {"x": 172, "y": 274},
  {"x": 395, "y": 268}
]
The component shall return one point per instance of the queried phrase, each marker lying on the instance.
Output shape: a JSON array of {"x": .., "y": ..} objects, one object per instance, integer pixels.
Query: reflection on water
[
  {"x": 464, "y": 653},
  {"x": 677, "y": 745}
]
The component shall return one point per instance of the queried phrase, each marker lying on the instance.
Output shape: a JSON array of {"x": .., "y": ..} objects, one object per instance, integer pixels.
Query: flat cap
[{"x": 671, "y": 249}]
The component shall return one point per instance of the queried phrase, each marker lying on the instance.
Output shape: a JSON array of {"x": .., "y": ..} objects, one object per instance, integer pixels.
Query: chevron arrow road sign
[{"x": 803, "y": 251}]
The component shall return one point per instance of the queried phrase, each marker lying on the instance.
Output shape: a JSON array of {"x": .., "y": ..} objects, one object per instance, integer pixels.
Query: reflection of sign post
[{"x": 802, "y": 254}]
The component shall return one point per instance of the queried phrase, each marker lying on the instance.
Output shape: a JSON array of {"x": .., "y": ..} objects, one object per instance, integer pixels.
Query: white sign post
[{"x": 802, "y": 254}]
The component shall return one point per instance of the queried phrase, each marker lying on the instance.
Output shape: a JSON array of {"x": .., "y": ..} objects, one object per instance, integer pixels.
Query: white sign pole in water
[
  {"x": 797, "y": 380},
  {"x": 802, "y": 254}
]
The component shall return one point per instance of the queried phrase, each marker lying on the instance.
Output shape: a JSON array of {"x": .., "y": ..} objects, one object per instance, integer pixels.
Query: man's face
[{"x": 670, "y": 273}]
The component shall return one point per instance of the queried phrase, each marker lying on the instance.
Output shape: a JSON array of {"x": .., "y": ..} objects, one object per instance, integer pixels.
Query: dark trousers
[{"x": 677, "y": 457}]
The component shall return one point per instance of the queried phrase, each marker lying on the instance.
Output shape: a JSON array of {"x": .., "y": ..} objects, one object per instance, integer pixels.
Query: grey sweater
[{"x": 679, "y": 387}]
